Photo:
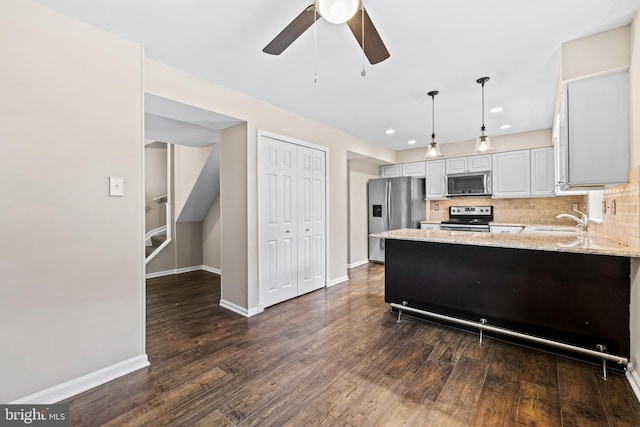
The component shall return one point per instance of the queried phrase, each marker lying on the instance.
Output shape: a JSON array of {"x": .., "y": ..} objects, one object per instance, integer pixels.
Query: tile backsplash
[
  {"x": 622, "y": 223},
  {"x": 534, "y": 210}
]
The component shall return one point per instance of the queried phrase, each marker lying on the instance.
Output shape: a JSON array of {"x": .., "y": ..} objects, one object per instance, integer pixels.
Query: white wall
[{"x": 71, "y": 257}]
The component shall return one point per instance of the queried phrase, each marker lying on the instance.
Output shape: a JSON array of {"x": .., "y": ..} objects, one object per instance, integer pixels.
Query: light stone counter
[{"x": 534, "y": 237}]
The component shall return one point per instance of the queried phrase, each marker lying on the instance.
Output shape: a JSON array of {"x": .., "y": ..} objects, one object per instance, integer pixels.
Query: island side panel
[{"x": 574, "y": 298}]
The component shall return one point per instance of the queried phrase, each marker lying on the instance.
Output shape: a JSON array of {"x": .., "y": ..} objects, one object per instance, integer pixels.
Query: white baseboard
[
  {"x": 212, "y": 270},
  {"x": 160, "y": 274},
  {"x": 238, "y": 309},
  {"x": 188, "y": 269},
  {"x": 634, "y": 380},
  {"x": 78, "y": 385},
  {"x": 337, "y": 281},
  {"x": 182, "y": 270},
  {"x": 358, "y": 263}
]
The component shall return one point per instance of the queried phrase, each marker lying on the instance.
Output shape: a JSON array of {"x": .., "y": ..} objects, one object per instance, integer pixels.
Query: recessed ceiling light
[
  {"x": 413, "y": 141},
  {"x": 495, "y": 110},
  {"x": 390, "y": 131},
  {"x": 505, "y": 126}
]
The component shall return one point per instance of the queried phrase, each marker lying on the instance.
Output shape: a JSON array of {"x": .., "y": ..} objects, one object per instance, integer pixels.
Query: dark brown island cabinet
[{"x": 574, "y": 298}]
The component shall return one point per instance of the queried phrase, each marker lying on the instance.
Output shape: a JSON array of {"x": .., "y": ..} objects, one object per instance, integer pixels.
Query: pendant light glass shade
[
  {"x": 337, "y": 11},
  {"x": 434, "y": 149},
  {"x": 483, "y": 143}
]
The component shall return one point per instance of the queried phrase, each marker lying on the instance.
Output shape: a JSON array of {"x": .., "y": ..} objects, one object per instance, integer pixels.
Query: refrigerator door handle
[{"x": 388, "y": 205}]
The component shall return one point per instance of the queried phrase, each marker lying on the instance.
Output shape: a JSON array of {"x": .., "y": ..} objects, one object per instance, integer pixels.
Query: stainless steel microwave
[{"x": 469, "y": 184}]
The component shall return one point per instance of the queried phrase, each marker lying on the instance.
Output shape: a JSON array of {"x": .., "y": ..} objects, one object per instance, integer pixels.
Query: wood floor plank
[
  {"x": 620, "y": 404},
  {"x": 337, "y": 357},
  {"x": 462, "y": 390},
  {"x": 538, "y": 405},
  {"x": 580, "y": 402}
]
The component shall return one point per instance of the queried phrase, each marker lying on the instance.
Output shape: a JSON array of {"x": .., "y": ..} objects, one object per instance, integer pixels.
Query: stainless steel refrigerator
[{"x": 393, "y": 203}]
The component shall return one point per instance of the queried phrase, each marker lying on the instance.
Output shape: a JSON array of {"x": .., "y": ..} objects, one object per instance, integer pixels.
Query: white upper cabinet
[
  {"x": 415, "y": 169},
  {"x": 468, "y": 164},
  {"x": 593, "y": 145},
  {"x": 436, "y": 181},
  {"x": 542, "y": 172},
  {"x": 390, "y": 171},
  {"x": 511, "y": 174}
]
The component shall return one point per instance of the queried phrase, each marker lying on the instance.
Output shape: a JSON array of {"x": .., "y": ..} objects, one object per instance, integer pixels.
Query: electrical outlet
[{"x": 436, "y": 207}]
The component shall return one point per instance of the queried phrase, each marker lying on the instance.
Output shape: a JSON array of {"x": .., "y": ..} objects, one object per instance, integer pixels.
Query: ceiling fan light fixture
[
  {"x": 483, "y": 143},
  {"x": 337, "y": 11},
  {"x": 433, "y": 150}
]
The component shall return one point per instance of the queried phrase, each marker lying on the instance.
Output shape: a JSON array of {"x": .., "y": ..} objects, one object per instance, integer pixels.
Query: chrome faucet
[{"x": 581, "y": 222}]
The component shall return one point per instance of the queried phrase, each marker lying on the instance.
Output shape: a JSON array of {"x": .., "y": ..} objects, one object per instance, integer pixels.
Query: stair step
[
  {"x": 158, "y": 240},
  {"x": 149, "y": 250}
]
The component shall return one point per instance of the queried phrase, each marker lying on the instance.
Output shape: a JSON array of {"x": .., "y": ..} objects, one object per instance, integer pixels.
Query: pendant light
[
  {"x": 434, "y": 149},
  {"x": 483, "y": 143},
  {"x": 337, "y": 11}
]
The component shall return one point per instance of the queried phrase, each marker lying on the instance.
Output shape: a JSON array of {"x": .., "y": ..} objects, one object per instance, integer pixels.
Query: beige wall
[
  {"x": 360, "y": 172},
  {"x": 602, "y": 52},
  {"x": 188, "y": 163},
  {"x": 188, "y": 244},
  {"x": 517, "y": 141},
  {"x": 233, "y": 214},
  {"x": 170, "y": 83},
  {"x": 72, "y": 293},
  {"x": 211, "y": 229},
  {"x": 634, "y": 102},
  {"x": 155, "y": 184}
]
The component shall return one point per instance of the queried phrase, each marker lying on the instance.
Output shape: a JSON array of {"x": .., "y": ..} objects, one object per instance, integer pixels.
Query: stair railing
[{"x": 156, "y": 231}]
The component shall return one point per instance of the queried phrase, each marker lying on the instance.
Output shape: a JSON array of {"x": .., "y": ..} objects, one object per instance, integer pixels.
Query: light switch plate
[{"x": 116, "y": 186}]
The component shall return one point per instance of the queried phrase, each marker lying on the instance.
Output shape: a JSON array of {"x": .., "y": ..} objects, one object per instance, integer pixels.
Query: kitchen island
[{"x": 565, "y": 286}]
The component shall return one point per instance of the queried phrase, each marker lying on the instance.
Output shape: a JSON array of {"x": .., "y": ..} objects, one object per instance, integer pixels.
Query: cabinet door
[
  {"x": 542, "y": 172},
  {"x": 511, "y": 174},
  {"x": 415, "y": 169},
  {"x": 390, "y": 171},
  {"x": 435, "y": 180},
  {"x": 598, "y": 119},
  {"x": 456, "y": 165},
  {"x": 479, "y": 163}
]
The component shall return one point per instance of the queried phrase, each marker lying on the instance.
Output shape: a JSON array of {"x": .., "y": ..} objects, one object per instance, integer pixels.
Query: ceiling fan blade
[
  {"x": 292, "y": 31},
  {"x": 374, "y": 47}
]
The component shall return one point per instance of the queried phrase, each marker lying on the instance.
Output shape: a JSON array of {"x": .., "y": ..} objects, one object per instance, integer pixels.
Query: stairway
[{"x": 156, "y": 241}]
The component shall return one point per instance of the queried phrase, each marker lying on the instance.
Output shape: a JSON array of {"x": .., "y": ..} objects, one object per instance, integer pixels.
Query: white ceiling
[{"x": 444, "y": 45}]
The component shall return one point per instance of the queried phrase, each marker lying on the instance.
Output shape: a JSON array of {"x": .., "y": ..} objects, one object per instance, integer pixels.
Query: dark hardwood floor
[{"x": 337, "y": 357}]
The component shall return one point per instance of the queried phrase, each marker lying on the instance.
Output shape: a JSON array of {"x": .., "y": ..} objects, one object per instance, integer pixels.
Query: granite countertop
[{"x": 533, "y": 237}]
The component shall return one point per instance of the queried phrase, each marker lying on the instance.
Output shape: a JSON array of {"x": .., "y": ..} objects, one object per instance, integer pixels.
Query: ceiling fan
[{"x": 337, "y": 12}]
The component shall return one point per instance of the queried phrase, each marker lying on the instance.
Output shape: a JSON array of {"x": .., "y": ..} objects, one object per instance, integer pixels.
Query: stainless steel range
[{"x": 468, "y": 218}]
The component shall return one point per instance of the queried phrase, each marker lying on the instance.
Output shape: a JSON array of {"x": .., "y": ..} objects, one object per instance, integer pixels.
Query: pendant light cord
[
  {"x": 483, "y": 106},
  {"x": 433, "y": 116}
]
